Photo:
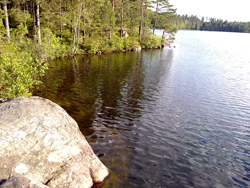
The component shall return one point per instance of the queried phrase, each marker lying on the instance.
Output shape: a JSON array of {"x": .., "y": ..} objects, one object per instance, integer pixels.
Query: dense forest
[
  {"x": 211, "y": 24},
  {"x": 35, "y": 31}
]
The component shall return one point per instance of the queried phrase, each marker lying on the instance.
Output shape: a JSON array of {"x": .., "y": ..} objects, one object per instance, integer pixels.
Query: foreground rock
[
  {"x": 41, "y": 143},
  {"x": 21, "y": 182}
]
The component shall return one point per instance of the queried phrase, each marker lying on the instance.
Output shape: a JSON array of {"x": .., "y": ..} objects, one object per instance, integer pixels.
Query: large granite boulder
[{"x": 41, "y": 143}]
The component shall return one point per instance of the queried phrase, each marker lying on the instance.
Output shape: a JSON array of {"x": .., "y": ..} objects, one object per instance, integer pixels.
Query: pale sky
[{"x": 231, "y": 10}]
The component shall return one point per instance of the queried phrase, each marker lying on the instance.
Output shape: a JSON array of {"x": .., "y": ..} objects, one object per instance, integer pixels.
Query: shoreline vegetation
[
  {"x": 33, "y": 32},
  {"x": 211, "y": 24}
]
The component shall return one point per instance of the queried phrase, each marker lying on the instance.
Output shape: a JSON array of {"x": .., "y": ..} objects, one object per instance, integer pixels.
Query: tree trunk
[
  {"x": 163, "y": 33},
  {"x": 34, "y": 16},
  {"x": 39, "y": 40},
  {"x": 106, "y": 43},
  {"x": 113, "y": 5},
  {"x": 141, "y": 20},
  {"x": 61, "y": 23},
  {"x": 121, "y": 19},
  {"x": 78, "y": 34},
  {"x": 84, "y": 32},
  {"x": 77, "y": 29},
  {"x": 6, "y": 19},
  {"x": 163, "y": 37},
  {"x": 74, "y": 38},
  {"x": 155, "y": 17},
  {"x": 25, "y": 6}
]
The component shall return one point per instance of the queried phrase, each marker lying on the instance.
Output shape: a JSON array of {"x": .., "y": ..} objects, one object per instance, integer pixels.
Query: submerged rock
[{"x": 40, "y": 142}]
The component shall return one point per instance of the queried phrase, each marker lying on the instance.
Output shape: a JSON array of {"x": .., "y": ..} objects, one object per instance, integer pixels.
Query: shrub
[
  {"x": 18, "y": 72},
  {"x": 150, "y": 40},
  {"x": 131, "y": 43},
  {"x": 92, "y": 45},
  {"x": 22, "y": 61},
  {"x": 118, "y": 43}
]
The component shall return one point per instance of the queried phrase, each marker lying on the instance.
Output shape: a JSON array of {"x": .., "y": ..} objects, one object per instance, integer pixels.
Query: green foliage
[
  {"x": 211, "y": 24},
  {"x": 19, "y": 72},
  {"x": 116, "y": 43},
  {"x": 131, "y": 43},
  {"x": 92, "y": 46},
  {"x": 2, "y": 29},
  {"x": 18, "y": 16},
  {"x": 151, "y": 41},
  {"x": 51, "y": 47},
  {"x": 22, "y": 61}
]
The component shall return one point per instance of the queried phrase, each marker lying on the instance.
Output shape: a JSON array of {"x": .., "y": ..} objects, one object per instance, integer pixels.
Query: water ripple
[{"x": 166, "y": 118}]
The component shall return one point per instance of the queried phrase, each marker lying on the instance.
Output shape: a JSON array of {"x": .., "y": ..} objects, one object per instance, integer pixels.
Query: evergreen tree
[{"x": 211, "y": 24}]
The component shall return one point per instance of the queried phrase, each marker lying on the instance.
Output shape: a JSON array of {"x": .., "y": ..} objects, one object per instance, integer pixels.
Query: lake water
[{"x": 176, "y": 117}]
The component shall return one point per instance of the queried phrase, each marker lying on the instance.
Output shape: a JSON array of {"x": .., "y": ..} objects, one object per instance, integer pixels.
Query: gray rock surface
[
  {"x": 21, "y": 182},
  {"x": 41, "y": 142}
]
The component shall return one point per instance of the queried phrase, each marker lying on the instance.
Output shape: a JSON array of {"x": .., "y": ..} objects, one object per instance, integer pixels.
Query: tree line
[
  {"x": 35, "y": 31},
  {"x": 211, "y": 24}
]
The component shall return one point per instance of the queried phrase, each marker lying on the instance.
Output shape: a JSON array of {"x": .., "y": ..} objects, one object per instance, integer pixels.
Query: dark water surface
[{"x": 175, "y": 117}]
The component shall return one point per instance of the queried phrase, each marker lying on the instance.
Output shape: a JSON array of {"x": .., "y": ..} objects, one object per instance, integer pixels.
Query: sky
[{"x": 231, "y": 10}]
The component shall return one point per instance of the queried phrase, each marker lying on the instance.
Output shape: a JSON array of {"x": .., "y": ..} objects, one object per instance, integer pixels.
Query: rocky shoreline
[{"x": 42, "y": 146}]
